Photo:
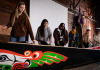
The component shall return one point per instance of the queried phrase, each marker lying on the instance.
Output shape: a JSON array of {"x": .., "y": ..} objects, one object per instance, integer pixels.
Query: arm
[
  {"x": 37, "y": 36},
  {"x": 9, "y": 24},
  {"x": 29, "y": 29},
  {"x": 66, "y": 37},
  {"x": 50, "y": 34},
  {"x": 55, "y": 35},
  {"x": 95, "y": 39}
]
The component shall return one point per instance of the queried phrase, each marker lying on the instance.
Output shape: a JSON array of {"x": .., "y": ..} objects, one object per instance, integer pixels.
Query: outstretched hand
[
  {"x": 50, "y": 40},
  {"x": 39, "y": 42},
  {"x": 4, "y": 27},
  {"x": 33, "y": 41}
]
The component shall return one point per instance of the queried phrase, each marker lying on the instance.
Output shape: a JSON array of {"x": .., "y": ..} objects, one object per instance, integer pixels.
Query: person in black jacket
[
  {"x": 73, "y": 37},
  {"x": 61, "y": 35}
]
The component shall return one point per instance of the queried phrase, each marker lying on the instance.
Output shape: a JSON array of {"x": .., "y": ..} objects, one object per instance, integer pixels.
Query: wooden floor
[{"x": 94, "y": 66}]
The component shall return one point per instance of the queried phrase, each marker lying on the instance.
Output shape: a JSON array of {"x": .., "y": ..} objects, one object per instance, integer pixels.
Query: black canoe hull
[{"x": 76, "y": 57}]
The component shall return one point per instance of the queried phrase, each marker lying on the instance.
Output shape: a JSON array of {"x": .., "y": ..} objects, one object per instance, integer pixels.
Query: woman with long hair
[
  {"x": 20, "y": 23},
  {"x": 60, "y": 35},
  {"x": 44, "y": 35}
]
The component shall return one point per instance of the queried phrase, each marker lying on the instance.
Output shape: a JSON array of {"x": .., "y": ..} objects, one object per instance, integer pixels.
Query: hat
[{"x": 62, "y": 25}]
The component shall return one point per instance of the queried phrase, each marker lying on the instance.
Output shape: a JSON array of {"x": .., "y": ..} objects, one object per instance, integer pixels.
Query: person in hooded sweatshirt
[{"x": 60, "y": 35}]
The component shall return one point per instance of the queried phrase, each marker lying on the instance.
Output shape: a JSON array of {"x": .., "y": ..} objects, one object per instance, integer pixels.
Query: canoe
[{"x": 16, "y": 56}]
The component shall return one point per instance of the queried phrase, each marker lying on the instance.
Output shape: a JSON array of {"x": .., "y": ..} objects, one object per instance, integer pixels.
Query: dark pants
[
  {"x": 61, "y": 43},
  {"x": 71, "y": 44},
  {"x": 43, "y": 43},
  {"x": 86, "y": 45}
]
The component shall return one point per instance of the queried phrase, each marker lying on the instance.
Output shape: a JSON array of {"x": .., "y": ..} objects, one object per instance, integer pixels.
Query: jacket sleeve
[
  {"x": 9, "y": 24},
  {"x": 50, "y": 33},
  {"x": 55, "y": 35},
  {"x": 29, "y": 28},
  {"x": 66, "y": 36}
]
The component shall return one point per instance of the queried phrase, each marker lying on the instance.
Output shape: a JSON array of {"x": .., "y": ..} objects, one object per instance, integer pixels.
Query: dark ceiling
[
  {"x": 97, "y": 11},
  {"x": 96, "y": 2}
]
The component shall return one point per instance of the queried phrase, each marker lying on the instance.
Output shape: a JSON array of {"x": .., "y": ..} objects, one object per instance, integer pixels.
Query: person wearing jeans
[
  {"x": 17, "y": 39},
  {"x": 20, "y": 23}
]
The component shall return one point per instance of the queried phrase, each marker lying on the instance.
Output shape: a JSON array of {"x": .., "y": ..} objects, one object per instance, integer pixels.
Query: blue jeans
[{"x": 17, "y": 39}]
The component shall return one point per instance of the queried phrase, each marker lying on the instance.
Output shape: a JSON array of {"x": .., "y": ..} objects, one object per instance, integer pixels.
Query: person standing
[
  {"x": 73, "y": 37},
  {"x": 44, "y": 35},
  {"x": 20, "y": 23},
  {"x": 60, "y": 35},
  {"x": 86, "y": 40},
  {"x": 97, "y": 39}
]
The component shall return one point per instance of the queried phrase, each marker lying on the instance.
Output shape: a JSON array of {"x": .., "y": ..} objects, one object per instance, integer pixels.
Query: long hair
[
  {"x": 41, "y": 28},
  {"x": 15, "y": 13}
]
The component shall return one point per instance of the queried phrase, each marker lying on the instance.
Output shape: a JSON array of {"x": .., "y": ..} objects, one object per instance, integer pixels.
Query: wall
[{"x": 50, "y": 10}]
